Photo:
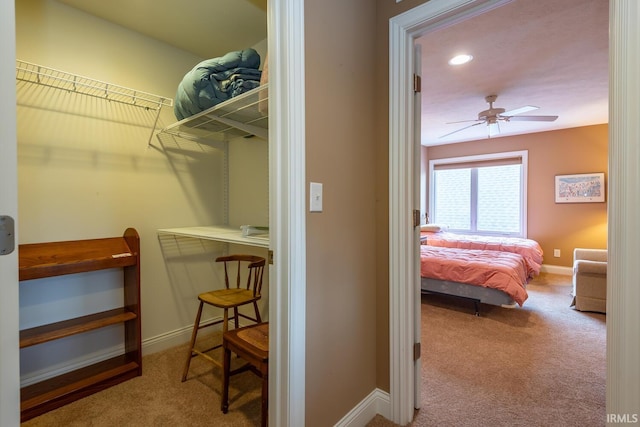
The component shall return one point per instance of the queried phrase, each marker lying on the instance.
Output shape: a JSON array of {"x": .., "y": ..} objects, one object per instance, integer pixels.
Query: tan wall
[
  {"x": 563, "y": 226},
  {"x": 341, "y": 240}
]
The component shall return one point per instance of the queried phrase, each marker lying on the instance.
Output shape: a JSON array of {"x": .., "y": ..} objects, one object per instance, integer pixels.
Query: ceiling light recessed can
[{"x": 460, "y": 59}]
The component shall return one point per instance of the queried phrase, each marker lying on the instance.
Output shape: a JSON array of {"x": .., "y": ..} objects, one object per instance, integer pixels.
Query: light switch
[{"x": 315, "y": 197}]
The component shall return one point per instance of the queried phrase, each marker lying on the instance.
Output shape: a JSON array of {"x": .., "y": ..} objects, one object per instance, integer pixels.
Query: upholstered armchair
[{"x": 590, "y": 280}]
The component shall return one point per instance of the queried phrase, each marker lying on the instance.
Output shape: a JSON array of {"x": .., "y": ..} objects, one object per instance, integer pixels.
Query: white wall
[{"x": 86, "y": 171}]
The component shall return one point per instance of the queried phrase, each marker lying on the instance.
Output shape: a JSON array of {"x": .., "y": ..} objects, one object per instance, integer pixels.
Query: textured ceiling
[{"x": 546, "y": 53}]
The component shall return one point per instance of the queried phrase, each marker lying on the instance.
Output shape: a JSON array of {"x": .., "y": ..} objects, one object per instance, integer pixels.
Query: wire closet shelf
[{"x": 38, "y": 74}]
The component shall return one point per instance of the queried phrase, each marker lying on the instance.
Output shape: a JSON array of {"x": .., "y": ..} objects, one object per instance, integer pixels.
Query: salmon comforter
[
  {"x": 505, "y": 271},
  {"x": 529, "y": 249}
]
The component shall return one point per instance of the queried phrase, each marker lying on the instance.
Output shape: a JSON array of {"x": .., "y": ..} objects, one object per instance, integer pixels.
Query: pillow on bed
[{"x": 433, "y": 227}]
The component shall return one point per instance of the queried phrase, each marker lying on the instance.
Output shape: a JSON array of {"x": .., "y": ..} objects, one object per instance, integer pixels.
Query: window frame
[{"x": 486, "y": 158}]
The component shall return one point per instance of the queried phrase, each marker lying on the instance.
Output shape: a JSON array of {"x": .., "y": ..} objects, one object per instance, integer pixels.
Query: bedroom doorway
[{"x": 404, "y": 30}]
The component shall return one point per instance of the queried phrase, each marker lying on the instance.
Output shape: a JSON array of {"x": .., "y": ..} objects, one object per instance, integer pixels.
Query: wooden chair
[
  {"x": 235, "y": 294},
  {"x": 250, "y": 343}
]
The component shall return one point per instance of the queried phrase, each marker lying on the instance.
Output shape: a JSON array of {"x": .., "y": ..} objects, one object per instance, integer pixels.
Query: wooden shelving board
[
  {"x": 78, "y": 325},
  {"x": 50, "y": 394},
  {"x": 38, "y": 260}
]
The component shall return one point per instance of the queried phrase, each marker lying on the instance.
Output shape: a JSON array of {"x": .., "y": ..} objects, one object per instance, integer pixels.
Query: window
[{"x": 480, "y": 194}]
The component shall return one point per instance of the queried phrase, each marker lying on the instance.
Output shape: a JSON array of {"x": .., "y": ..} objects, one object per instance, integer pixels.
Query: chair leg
[
  {"x": 226, "y": 366},
  {"x": 255, "y": 307},
  {"x": 235, "y": 317},
  {"x": 265, "y": 399},
  {"x": 225, "y": 320},
  {"x": 194, "y": 334}
]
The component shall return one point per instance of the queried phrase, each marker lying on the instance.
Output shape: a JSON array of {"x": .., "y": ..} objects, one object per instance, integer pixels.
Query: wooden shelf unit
[{"x": 40, "y": 260}]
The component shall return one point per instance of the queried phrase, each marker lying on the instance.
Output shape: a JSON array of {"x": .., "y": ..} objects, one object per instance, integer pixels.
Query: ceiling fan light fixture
[
  {"x": 460, "y": 59},
  {"x": 493, "y": 128}
]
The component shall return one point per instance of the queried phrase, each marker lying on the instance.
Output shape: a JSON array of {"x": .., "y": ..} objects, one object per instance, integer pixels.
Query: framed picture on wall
[{"x": 580, "y": 188}]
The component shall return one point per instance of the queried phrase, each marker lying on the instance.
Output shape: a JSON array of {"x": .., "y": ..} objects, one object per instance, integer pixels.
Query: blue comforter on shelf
[{"x": 216, "y": 80}]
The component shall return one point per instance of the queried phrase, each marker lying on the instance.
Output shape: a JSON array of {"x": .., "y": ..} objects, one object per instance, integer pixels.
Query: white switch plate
[
  {"x": 315, "y": 197},
  {"x": 556, "y": 253}
]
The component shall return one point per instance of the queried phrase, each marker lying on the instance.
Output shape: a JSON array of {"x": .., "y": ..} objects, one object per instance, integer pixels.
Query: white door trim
[
  {"x": 9, "y": 324},
  {"x": 623, "y": 292},
  {"x": 287, "y": 311}
]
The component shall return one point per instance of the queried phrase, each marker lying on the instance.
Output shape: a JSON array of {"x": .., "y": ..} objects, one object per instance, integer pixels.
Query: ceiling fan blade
[
  {"x": 461, "y": 129},
  {"x": 533, "y": 118},
  {"x": 520, "y": 110},
  {"x": 463, "y": 121}
]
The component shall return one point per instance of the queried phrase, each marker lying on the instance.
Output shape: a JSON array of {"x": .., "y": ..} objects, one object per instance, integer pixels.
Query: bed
[
  {"x": 484, "y": 276},
  {"x": 529, "y": 249}
]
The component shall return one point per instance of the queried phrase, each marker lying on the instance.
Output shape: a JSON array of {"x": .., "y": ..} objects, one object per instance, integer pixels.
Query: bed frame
[{"x": 477, "y": 294}]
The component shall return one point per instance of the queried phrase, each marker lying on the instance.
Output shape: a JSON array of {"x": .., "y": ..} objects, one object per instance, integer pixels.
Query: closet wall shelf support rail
[{"x": 50, "y": 77}]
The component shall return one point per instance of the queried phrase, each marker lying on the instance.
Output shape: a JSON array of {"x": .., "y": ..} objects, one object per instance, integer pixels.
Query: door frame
[
  {"x": 287, "y": 141},
  {"x": 623, "y": 371},
  {"x": 624, "y": 203},
  {"x": 403, "y": 278},
  {"x": 9, "y": 324},
  {"x": 287, "y": 292}
]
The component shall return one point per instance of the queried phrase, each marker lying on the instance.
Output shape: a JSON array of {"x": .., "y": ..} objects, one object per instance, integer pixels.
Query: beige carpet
[
  {"x": 539, "y": 365},
  {"x": 159, "y": 398}
]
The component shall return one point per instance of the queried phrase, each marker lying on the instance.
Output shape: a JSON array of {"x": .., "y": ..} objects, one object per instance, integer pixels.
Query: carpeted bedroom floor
[
  {"x": 542, "y": 364},
  {"x": 538, "y": 365}
]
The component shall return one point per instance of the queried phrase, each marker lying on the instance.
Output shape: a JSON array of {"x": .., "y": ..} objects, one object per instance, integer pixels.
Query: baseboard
[
  {"x": 177, "y": 337},
  {"x": 557, "y": 269},
  {"x": 377, "y": 402},
  {"x": 166, "y": 340}
]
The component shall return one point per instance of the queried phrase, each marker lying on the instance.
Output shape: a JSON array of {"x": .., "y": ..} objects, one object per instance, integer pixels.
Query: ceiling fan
[{"x": 493, "y": 116}]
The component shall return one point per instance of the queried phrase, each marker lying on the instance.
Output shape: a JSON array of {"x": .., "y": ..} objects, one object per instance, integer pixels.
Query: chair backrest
[{"x": 254, "y": 267}]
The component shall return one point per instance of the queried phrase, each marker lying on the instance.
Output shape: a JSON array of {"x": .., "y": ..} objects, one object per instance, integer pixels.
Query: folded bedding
[
  {"x": 505, "y": 271},
  {"x": 216, "y": 80},
  {"x": 529, "y": 249}
]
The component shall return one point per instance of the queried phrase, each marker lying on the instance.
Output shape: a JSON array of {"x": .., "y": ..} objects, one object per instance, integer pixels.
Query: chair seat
[
  {"x": 254, "y": 339},
  {"x": 226, "y": 298},
  {"x": 251, "y": 343}
]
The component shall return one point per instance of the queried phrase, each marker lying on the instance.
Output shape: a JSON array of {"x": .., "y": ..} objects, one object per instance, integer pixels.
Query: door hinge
[
  {"x": 7, "y": 235},
  {"x": 416, "y": 351},
  {"x": 416, "y": 217},
  {"x": 270, "y": 256},
  {"x": 417, "y": 83}
]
